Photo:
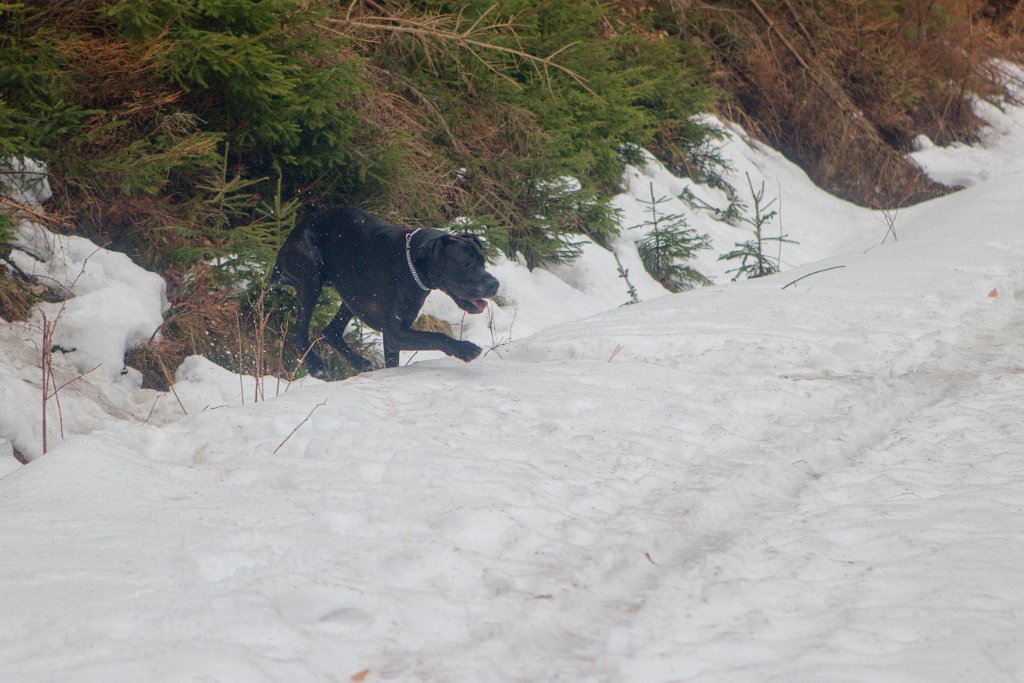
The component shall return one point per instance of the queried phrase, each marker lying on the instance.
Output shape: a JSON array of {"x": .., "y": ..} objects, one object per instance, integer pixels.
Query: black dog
[{"x": 383, "y": 274}]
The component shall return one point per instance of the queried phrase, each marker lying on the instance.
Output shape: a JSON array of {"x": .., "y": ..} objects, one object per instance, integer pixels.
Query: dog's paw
[
  {"x": 466, "y": 351},
  {"x": 315, "y": 367},
  {"x": 360, "y": 364}
]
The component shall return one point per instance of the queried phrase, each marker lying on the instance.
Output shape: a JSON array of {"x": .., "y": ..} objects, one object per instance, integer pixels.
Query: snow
[
  {"x": 767, "y": 480},
  {"x": 1001, "y": 141},
  {"x": 114, "y": 305}
]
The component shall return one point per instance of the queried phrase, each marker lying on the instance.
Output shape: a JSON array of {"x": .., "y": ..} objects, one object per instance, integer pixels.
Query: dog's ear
[
  {"x": 474, "y": 239},
  {"x": 442, "y": 243}
]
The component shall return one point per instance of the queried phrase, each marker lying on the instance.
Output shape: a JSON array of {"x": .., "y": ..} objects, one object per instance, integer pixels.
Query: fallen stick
[
  {"x": 304, "y": 420},
  {"x": 823, "y": 270}
]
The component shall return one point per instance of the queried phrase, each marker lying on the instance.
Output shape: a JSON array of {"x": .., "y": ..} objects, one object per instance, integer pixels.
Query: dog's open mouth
[{"x": 471, "y": 305}]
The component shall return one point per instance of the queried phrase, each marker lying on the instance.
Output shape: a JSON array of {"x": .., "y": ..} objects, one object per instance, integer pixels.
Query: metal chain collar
[{"x": 408, "y": 259}]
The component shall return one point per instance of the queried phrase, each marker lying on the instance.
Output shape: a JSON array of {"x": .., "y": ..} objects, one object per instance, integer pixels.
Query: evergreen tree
[
  {"x": 755, "y": 261},
  {"x": 667, "y": 244}
]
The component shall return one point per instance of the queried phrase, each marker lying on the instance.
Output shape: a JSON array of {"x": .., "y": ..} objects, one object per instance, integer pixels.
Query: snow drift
[{"x": 776, "y": 480}]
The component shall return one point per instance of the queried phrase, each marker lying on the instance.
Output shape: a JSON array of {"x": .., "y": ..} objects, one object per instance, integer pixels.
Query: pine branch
[{"x": 446, "y": 29}]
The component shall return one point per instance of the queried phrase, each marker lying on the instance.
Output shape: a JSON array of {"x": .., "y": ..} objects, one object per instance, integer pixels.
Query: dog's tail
[{"x": 296, "y": 259}]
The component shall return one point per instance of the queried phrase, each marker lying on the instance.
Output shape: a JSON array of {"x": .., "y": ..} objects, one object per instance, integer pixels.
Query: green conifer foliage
[
  {"x": 259, "y": 73},
  {"x": 517, "y": 132},
  {"x": 668, "y": 244},
  {"x": 514, "y": 117},
  {"x": 753, "y": 255}
]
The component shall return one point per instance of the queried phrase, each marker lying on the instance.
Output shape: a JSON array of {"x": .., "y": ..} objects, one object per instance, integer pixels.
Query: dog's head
[{"x": 459, "y": 268}]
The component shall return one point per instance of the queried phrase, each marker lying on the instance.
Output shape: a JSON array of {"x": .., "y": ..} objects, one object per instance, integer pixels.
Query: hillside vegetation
[{"x": 193, "y": 133}]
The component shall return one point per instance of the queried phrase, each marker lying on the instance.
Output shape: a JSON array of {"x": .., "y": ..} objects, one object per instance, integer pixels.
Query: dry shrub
[
  {"x": 844, "y": 88},
  {"x": 109, "y": 74},
  {"x": 202, "y": 319},
  {"x": 417, "y": 129},
  {"x": 401, "y": 121},
  {"x": 428, "y": 323},
  {"x": 17, "y": 297},
  {"x": 134, "y": 224}
]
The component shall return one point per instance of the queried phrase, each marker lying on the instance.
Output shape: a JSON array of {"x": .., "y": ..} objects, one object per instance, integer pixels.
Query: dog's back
[
  {"x": 320, "y": 233},
  {"x": 302, "y": 254}
]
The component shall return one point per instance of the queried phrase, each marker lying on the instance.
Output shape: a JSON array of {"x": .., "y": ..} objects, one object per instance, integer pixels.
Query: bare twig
[
  {"x": 47, "y": 355},
  {"x": 280, "y": 356},
  {"x": 503, "y": 341},
  {"x": 56, "y": 398},
  {"x": 15, "y": 268},
  {"x": 785, "y": 41},
  {"x": 38, "y": 215},
  {"x": 304, "y": 420},
  {"x": 153, "y": 407},
  {"x": 301, "y": 360},
  {"x": 799, "y": 23},
  {"x": 890, "y": 221},
  {"x": 259, "y": 353},
  {"x": 823, "y": 270},
  {"x": 241, "y": 362},
  {"x": 46, "y": 360},
  {"x": 73, "y": 380},
  {"x": 170, "y": 383}
]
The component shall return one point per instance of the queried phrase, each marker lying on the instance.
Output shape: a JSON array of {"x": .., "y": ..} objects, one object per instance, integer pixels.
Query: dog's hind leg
[
  {"x": 334, "y": 334},
  {"x": 307, "y": 292}
]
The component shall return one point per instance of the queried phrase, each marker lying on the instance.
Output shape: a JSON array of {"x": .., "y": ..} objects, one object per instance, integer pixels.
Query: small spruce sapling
[
  {"x": 668, "y": 243},
  {"x": 634, "y": 297},
  {"x": 754, "y": 261}
]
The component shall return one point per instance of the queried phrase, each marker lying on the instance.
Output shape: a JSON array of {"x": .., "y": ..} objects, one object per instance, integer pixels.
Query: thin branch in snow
[
  {"x": 304, "y": 421},
  {"x": 302, "y": 359},
  {"x": 170, "y": 383},
  {"x": 153, "y": 407},
  {"x": 890, "y": 221},
  {"x": 823, "y": 270},
  {"x": 46, "y": 359},
  {"x": 73, "y": 380},
  {"x": 495, "y": 345}
]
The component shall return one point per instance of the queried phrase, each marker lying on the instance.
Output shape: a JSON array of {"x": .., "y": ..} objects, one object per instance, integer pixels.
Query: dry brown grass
[
  {"x": 202, "y": 320},
  {"x": 428, "y": 185},
  {"x": 844, "y": 88},
  {"x": 428, "y": 323},
  {"x": 17, "y": 297}
]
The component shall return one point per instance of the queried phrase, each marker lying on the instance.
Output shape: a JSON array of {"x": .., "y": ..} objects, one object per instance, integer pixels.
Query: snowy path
[{"x": 903, "y": 566}]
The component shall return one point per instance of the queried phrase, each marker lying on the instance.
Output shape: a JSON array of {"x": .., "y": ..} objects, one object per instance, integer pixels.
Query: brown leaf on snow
[
  {"x": 993, "y": 294},
  {"x": 359, "y": 676}
]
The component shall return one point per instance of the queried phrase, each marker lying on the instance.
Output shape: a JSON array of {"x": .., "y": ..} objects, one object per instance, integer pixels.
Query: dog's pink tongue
[{"x": 479, "y": 304}]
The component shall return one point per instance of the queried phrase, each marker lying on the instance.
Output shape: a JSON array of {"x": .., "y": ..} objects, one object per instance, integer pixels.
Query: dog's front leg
[{"x": 404, "y": 338}]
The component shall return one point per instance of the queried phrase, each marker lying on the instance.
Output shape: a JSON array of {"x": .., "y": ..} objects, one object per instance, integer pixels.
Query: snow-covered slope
[{"x": 765, "y": 481}]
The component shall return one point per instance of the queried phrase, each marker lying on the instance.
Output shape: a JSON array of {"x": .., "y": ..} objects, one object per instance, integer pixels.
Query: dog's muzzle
[{"x": 478, "y": 303}]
